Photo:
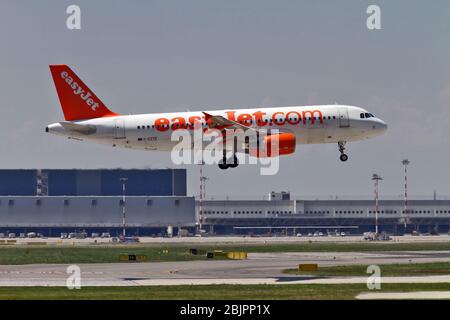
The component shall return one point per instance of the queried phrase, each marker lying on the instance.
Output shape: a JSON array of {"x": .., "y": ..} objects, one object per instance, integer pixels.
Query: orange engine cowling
[{"x": 275, "y": 145}]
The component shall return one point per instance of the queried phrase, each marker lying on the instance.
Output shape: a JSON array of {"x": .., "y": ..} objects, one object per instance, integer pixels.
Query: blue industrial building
[
  {"x": 97, "y": 182},
  {"x": 59, "y": 200},
  {"x": 18, "y": 182}
]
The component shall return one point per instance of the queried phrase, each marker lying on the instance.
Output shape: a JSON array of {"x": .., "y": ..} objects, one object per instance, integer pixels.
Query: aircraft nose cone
[{"x": 379, "y": 126}]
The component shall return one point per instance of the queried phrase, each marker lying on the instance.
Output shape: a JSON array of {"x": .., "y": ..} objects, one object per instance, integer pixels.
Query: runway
[{"x": 260, "y": 268}]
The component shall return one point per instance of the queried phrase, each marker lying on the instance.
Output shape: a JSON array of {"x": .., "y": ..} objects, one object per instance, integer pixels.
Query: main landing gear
[
  {"x": 343, "y": 156},
  {"x": 228, "y": 163}
]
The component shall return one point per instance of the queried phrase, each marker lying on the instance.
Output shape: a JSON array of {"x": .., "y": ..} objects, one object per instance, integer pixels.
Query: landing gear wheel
[
  {"x": 223, "y": 166},
  {"x": 235, "y": 162},
  {"x": 343, "y": 157}
]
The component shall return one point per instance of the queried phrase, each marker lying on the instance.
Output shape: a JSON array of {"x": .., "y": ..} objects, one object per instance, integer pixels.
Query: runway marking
[
  {"x": 405, "y": 295},
  {"x": 277, "y": 281}
]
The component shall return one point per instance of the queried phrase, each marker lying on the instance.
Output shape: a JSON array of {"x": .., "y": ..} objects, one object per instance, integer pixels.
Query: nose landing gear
[{"x": 343, "y": 156}]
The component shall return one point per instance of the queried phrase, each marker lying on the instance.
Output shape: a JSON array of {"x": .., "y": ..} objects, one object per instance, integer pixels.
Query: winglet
[{"x": 207, "y": 116}]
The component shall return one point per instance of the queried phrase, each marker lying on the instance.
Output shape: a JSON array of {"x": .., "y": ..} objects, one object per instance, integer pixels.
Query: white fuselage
[{"x": 310, "y": 124}]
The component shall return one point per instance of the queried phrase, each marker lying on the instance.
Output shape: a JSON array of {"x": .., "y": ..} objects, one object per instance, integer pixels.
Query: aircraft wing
[{"x": 221, "y": 122}]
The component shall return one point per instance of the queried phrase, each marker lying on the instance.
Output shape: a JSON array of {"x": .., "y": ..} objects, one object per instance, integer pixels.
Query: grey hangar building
[{"x": 51, "y": 201}]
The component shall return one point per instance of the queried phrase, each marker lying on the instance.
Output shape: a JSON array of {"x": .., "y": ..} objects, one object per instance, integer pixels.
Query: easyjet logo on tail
[{"x": 77, "y": 90}]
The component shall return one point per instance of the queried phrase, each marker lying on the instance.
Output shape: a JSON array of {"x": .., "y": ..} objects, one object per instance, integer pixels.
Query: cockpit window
[
  {"x": 361, "y": 115},
  {"x": 368, "y": 115}
]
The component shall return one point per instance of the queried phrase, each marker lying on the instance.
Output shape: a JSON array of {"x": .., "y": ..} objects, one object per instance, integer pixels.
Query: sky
[{"x": 164, "y": 56}]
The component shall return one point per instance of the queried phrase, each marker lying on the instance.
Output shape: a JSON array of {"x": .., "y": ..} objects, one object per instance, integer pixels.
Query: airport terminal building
[
  {"x": 280, "y": 214},
  {"x": 53, "y": 201}
]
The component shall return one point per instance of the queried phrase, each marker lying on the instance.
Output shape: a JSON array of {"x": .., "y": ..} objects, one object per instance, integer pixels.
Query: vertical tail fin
[{"x": 77, "y": 100}]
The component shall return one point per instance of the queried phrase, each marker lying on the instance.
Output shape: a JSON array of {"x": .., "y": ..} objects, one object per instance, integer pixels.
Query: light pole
[
  {"x": 124, "y": 180},
  {"x": 405, "y": 162},
  {"x": 202, "y": 196},
  {"x": 376, "y": 178}
]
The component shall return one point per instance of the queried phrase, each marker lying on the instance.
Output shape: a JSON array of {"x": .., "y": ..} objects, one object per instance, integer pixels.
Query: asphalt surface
[{"x": 260, "y": 268}]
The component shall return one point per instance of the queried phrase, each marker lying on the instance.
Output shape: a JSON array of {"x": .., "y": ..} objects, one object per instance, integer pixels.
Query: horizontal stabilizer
[{"x": 78, "y": 128}]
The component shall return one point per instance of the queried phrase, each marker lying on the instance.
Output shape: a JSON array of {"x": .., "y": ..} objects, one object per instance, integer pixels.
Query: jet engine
[{"x": 273, "y": 145}]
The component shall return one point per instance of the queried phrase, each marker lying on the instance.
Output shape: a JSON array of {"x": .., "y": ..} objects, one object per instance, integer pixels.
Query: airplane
[{"x": 86, "y": 117}]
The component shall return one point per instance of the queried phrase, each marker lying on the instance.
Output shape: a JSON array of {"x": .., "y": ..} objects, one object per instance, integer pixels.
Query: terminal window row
[
  {"x": 420, "y": 211},
  {"x": 350, "y": 212},
  {"x": 214, "y": 212},
  {"x": 372, "y": 211},
  {"x": 246, "y": 212},
  {"x": 384, "y": 211},
  {"x": 94, "y": 202},
  {"x": 316, "y": 212},
  {"x": 409, "y": 211},
  {"x": 328, "y": 212},
  {"x": 279, "y": 212}
]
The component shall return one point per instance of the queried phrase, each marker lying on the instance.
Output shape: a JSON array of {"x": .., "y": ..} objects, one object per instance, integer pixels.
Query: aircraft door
[
  {"x": 344, "y": 121},
  {"x": 119, "y": 129}
]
